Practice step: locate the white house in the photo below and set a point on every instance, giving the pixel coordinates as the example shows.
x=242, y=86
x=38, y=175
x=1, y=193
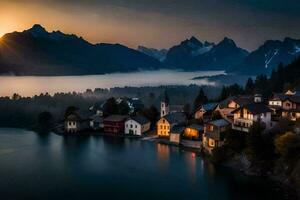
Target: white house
x=245, y=116
x=137, y=125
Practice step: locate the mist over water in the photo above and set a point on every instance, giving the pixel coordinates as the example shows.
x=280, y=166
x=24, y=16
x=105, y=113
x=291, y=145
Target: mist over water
x=34, y=85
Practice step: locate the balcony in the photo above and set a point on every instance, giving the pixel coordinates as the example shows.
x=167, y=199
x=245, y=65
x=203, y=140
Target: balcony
x=242, y=124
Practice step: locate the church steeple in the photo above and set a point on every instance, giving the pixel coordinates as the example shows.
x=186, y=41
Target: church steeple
x=164, y=105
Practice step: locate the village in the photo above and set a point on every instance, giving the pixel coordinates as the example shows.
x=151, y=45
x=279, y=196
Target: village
x=204, y=129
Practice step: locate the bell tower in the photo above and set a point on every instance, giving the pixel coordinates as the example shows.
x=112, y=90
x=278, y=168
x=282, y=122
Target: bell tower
x=164, y=105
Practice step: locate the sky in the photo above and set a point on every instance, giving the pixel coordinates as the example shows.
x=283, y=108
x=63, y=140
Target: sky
x=157, y=23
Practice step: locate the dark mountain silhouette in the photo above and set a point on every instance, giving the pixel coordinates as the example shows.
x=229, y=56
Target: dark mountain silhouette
x=159, y=54
x=268, y=56
x=182, y=55
x=38, y=52
x=192, y=54
x=221, y=57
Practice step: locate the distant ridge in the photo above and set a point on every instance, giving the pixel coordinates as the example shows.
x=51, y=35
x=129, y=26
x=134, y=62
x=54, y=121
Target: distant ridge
x=38, y=52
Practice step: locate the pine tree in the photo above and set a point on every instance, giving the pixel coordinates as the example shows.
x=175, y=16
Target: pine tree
x=249, y=88
x=200, y=99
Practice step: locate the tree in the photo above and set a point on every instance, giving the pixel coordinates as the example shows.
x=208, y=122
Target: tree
x=249, y=88
x=187, y=109
x=70, y=110
x=123, y=108
x=16, y=96
x=254, y=142
x=150, y=113
x=110, y=107
x=200, y=99
x=288, y=146
x=166, y=97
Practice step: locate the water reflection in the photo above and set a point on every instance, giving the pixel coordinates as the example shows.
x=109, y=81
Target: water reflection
x=93, y=167
x=163, y=152
x=191, y=162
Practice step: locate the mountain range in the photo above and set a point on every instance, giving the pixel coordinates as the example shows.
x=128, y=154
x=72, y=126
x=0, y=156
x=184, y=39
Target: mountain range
x=38, y=52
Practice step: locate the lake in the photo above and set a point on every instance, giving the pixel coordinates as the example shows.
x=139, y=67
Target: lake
x=33, y=166
x=35, y=85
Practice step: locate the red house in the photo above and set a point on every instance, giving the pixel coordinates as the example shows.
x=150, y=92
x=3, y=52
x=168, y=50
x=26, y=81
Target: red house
x=114, y=124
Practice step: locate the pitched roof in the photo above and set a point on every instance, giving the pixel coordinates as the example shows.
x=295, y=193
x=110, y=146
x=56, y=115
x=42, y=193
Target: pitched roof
x=295, y=98
x=256, y=108
x=243, y=100
x=73, y=117
x=196, y=127
x=140, y=119
x=177, y=117
x=219, y=122
x=116, y=118
x=208, y=106
x=224, y=103
x=177, y=129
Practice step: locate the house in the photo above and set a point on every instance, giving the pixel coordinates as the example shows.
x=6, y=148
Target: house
x=193, y=131
x=167, y=122
x=214, y=134
x=175, y=134
x=114, y=124
x=285, y=105
x=227, y=106
x=74, y=123
x=137, y=125
x=291, y=108
x=205, y=111
x=245, y=116
x=96, y=121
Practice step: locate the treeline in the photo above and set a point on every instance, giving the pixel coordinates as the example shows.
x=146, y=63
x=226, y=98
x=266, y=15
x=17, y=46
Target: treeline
x=282, y=78
x=23, y=112
x=28, y=112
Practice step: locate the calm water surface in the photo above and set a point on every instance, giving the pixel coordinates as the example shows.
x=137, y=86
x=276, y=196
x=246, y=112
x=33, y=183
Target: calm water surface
x=34, y=85
x=54, y=167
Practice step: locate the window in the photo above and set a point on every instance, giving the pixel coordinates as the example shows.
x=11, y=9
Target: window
x=135, y=126
x=210, y=127
x=161, y=127
x=211, y=142
x=163, y=121
x=130, y=125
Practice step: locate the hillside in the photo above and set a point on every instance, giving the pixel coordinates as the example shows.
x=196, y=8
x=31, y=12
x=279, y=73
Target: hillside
x=38, y=52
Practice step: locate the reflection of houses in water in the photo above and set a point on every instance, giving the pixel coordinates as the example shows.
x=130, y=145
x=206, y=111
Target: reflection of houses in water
x=163, y=153
x=191, y=160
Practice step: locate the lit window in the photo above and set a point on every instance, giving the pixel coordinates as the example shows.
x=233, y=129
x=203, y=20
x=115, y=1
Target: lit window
x=211, y=143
